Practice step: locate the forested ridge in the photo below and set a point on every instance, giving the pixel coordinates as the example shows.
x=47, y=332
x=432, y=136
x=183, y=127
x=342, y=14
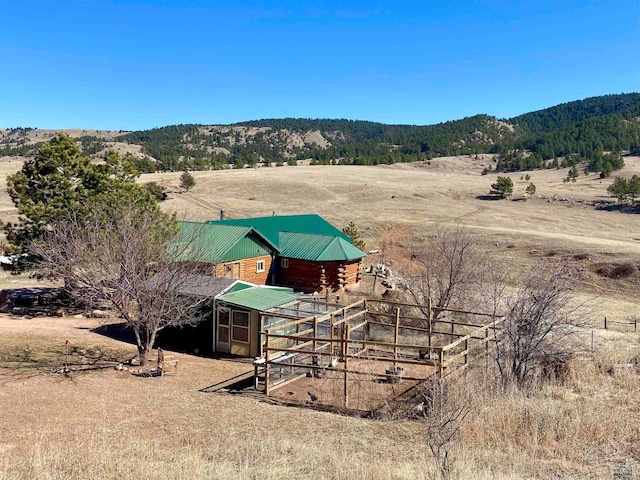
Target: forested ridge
x=593, y=132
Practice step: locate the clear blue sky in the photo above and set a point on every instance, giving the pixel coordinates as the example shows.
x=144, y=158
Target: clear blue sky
x=138, y=65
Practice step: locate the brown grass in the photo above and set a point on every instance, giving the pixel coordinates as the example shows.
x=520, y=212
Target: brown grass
x=102, y=423
x=109, y=424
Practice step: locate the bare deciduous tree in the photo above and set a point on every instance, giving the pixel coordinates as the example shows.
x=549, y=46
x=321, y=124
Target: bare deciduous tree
x=543, y=317
x=121, y=257
x=446, y=405
x=447, y=268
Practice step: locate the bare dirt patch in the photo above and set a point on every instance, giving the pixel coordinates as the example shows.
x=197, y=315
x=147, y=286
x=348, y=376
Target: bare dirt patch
x=368, y=391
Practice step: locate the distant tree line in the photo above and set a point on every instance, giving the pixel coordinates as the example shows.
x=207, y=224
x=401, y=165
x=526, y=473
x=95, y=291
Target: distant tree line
x=593, y=132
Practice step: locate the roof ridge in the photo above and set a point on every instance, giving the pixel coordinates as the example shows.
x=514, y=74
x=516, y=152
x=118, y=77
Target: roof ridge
x=314, y=234
x=329, y=244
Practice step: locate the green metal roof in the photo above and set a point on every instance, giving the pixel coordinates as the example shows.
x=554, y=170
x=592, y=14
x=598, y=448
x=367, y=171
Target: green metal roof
x=205, y=242
x=305, y=237
x=270, y=227
x=241, y=285
x=259, y=298
x=319, y=248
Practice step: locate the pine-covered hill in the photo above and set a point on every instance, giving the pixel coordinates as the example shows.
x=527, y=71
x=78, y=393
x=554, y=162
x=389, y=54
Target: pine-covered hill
x=594, y=132
x=565, y=114
x=580, y=132
x=323, y=141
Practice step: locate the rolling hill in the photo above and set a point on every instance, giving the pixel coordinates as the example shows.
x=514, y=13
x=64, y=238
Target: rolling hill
x=593, y=132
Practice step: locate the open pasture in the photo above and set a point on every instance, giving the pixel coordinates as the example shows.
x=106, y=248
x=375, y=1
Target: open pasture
x=103, y=423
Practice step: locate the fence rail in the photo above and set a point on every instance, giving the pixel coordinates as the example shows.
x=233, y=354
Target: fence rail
x=344, y=336
x=634, y=322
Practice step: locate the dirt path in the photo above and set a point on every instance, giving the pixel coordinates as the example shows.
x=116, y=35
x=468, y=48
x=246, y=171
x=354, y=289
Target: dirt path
x=630, y=246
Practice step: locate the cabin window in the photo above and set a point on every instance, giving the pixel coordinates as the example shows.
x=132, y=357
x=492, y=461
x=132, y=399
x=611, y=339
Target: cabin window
x=284, y=263
x=240, y=328
x=260, y=266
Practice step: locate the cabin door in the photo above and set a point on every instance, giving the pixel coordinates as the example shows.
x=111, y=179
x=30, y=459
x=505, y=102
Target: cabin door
x=223, y=337
x=232, y=270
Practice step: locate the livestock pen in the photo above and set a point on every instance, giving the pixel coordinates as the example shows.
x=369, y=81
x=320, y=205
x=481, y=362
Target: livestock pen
x=366, y=354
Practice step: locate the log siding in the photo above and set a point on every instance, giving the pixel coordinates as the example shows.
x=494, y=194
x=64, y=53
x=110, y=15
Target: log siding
x=310, y=276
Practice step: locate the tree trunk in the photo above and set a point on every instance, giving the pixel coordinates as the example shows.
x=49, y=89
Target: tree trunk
x=143, y=354
x=145, y=338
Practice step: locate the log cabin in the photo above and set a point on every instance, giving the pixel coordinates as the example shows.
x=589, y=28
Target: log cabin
x=311, y=255
x=229, y=251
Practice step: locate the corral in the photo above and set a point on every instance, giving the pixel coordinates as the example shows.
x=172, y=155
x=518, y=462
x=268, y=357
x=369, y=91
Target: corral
x=366, y=355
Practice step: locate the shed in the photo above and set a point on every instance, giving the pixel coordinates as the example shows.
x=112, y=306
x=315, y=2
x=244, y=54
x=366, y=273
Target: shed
x=238, y=317
x=198, y=338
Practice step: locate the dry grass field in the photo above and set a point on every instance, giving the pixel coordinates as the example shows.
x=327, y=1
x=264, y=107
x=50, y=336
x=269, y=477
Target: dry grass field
x=106, y=424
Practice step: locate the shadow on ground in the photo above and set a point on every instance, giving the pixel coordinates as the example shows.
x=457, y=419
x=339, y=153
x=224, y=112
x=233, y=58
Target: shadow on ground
x=489, y=197
x=37, y=301
x=618, y=207
x=192, y=340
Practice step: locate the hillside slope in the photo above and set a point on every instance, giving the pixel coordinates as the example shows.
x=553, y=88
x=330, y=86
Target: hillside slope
x=583, y=131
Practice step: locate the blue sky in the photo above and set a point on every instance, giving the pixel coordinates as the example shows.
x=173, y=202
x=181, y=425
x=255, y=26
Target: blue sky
x=138, y=65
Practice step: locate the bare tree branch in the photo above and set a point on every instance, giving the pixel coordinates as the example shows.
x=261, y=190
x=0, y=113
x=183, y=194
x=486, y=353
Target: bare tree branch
x=543, y=317
x=448, y=269
x=123, y=258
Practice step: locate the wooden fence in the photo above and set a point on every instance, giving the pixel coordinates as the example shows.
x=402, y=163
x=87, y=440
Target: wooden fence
x=634, y=323
x=334, y=341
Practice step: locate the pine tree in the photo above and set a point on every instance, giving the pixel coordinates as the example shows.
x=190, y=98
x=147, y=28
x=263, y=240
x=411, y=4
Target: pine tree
x=619, y=189
x=634, y=188
x=187, y=182
x=353, y=233
x=502, y=187
x=59, y=182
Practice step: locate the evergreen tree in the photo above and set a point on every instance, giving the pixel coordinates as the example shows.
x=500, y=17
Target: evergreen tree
x=60, y=182
x=502, y=187
x=353, y=233
x=619, y=189
x=156, y=190
x=187, y=182
x=634, y=188
x=531, y=189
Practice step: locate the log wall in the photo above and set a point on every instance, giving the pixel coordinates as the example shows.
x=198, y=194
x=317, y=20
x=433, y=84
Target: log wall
x=309, y=276
x=245, y=269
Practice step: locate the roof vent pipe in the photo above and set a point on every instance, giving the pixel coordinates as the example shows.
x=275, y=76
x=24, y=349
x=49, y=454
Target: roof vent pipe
x=221, y=214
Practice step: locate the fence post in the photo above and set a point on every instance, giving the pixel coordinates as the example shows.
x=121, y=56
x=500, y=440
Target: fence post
x=315, y=334
x=332, y=345
x=346, y=366
x=395, y=337
x=453, y=330
x=486, y=348
x=266, y=362
x=430, y=320
x=466, y=349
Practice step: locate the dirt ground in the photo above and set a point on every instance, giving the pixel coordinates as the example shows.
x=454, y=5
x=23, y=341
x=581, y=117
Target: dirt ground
x=367, y=391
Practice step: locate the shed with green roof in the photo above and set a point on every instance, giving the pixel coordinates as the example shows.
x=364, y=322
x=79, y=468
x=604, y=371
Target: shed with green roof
x=238, y=317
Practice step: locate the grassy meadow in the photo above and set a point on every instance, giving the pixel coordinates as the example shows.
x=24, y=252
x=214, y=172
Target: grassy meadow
x=100, y=423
